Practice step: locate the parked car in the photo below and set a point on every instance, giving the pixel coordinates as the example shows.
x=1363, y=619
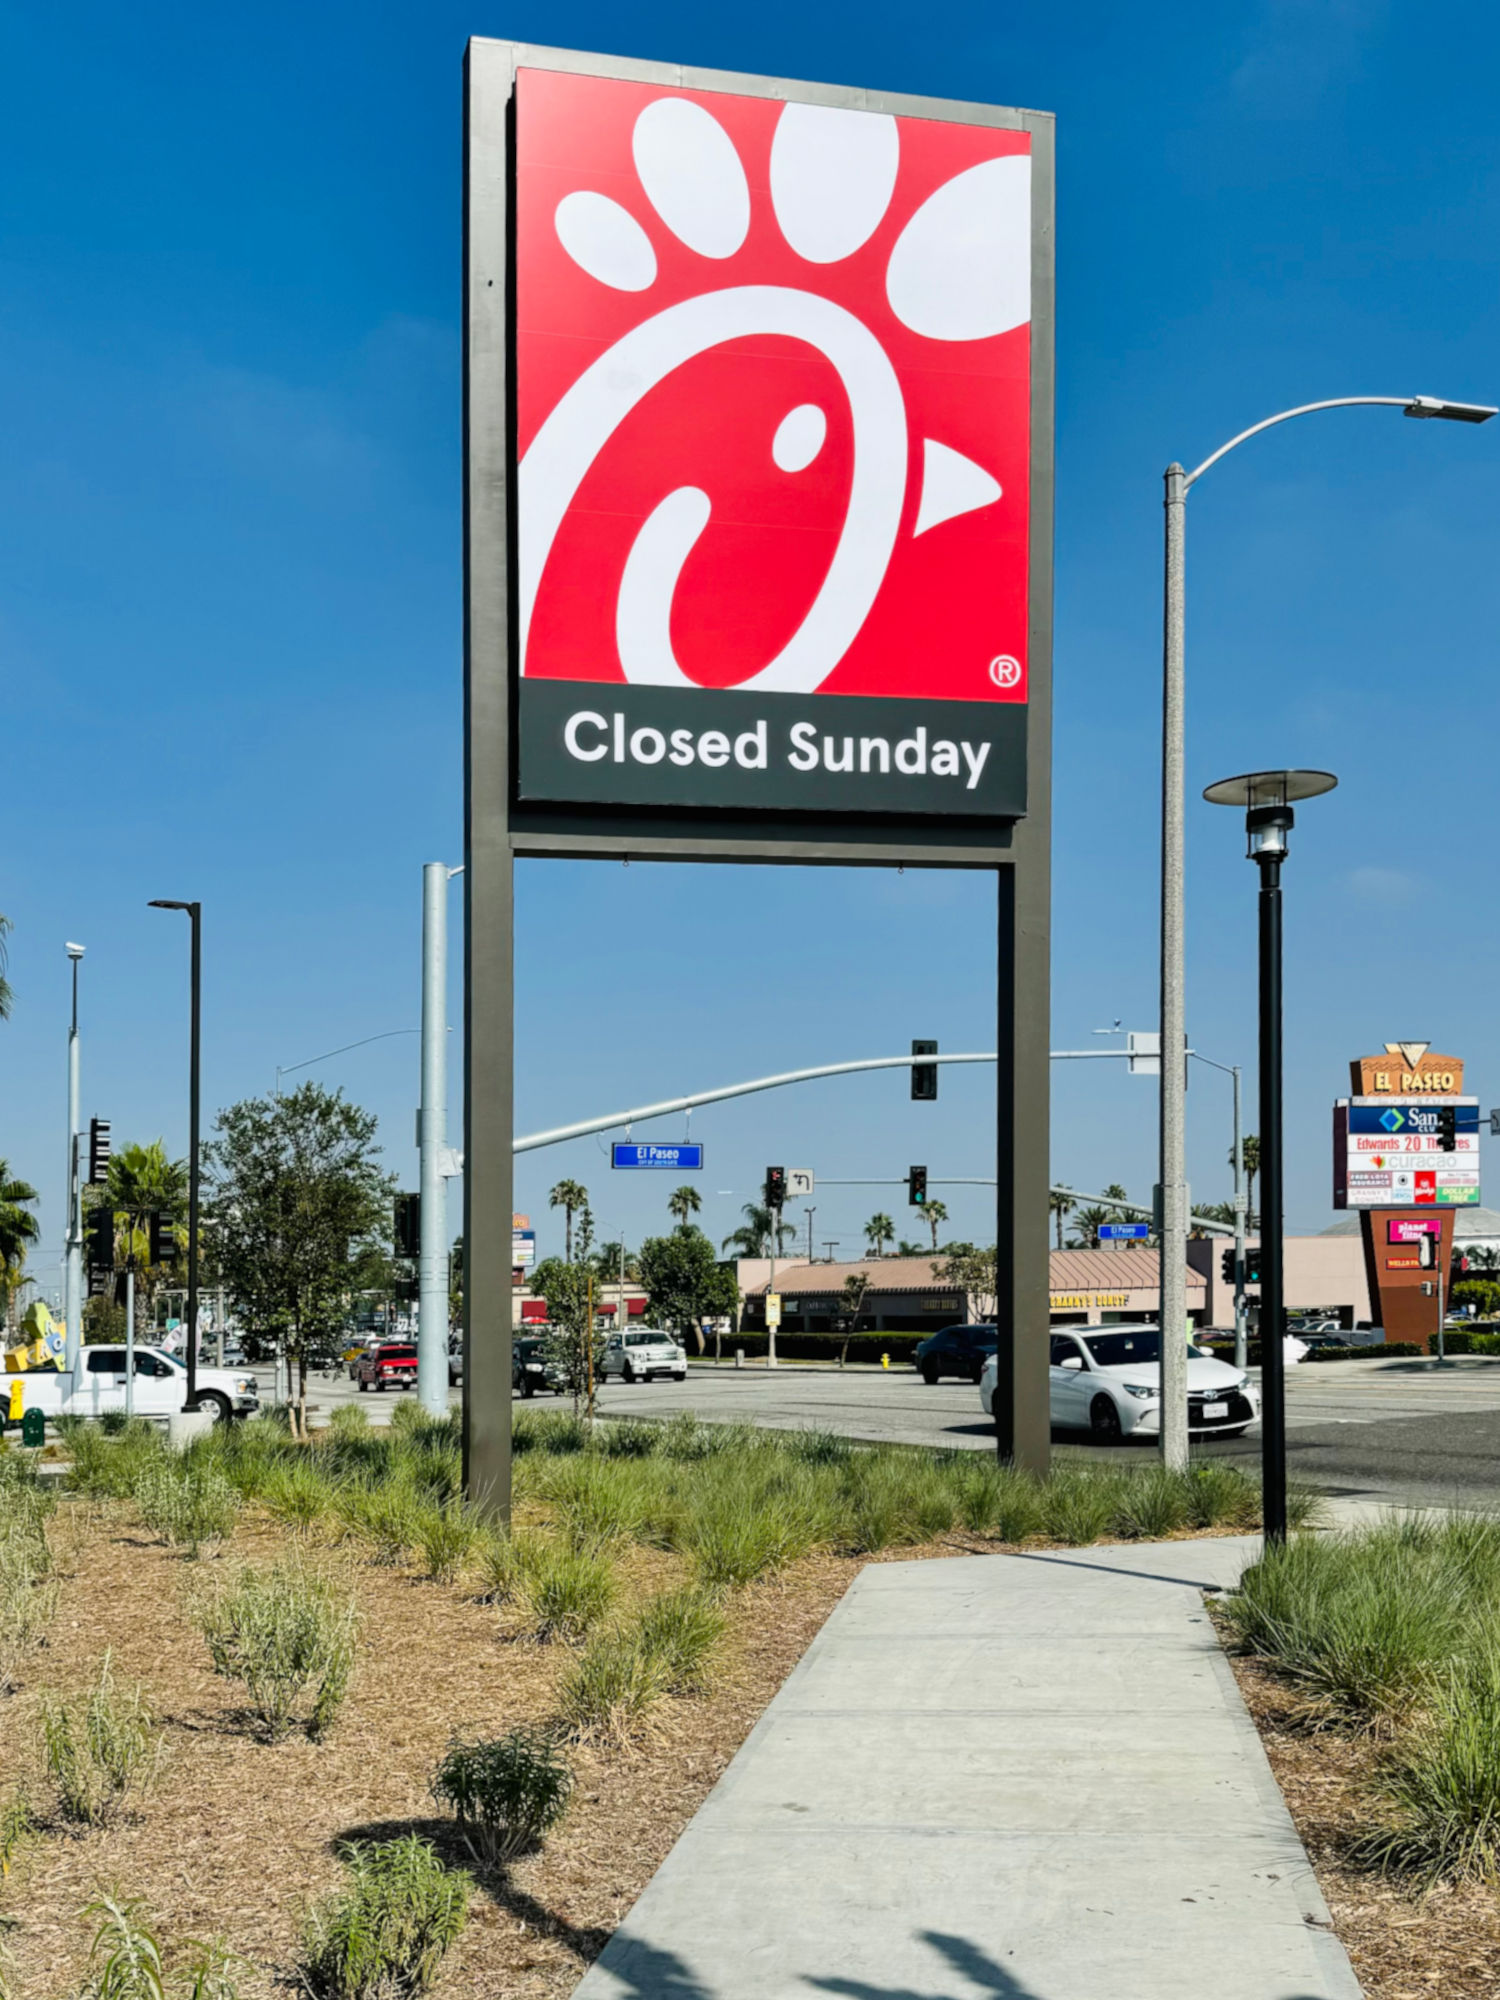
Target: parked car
x=531, y=1369
x=455, y=1360
x=97, y=1389
x=955, y=1350
x=643, y=1353
x=1107, y=1380
x=391, y=1365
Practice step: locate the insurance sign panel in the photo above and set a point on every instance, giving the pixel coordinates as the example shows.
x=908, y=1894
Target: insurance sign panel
x=773, y=426
x=1388, y=1152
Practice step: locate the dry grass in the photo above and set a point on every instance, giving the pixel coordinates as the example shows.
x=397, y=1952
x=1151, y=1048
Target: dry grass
x=1403, y=1947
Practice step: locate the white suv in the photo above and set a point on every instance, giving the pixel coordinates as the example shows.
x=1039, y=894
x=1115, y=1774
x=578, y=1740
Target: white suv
x=642, y=1352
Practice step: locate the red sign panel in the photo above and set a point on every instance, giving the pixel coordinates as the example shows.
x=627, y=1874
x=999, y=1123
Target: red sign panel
x=773, y=433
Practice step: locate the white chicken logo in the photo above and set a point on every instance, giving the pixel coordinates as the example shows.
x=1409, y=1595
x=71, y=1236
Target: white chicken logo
x=951, y=277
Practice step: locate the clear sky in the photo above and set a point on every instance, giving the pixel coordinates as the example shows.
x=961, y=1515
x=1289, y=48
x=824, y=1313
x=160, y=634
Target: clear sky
x=230, y=585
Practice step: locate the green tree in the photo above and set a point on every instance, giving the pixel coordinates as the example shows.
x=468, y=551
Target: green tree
x=1062, y=1202
x=299, y=1203
x=753, y=1237
x=608, y=1260
x=850, y=1304
x=1086, y=1227
x=584, y=1233
x=683, y=1202
x=572, y=1340
x=685, y=1283
x=976, y=1272
x=142, y=1181
x=569, y=1196
x=19, y=1229
x=5, y=992
x=879, y=1231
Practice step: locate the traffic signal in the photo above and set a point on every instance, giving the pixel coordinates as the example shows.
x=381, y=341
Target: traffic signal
x=916, y=1186
x=163, y=1234
x=924, y=1075
x=1447, y=1124
x=99, y=1239
x=98, y=1150
x=775, y=1187
x=408, y=1225
x=1226, y=1267
x=1252, y=1267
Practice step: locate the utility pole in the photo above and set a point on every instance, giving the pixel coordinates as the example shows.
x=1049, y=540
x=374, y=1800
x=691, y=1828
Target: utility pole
x=432, y=1138
x=1241, y=1344
x=73, y=1247
x=130, y=1326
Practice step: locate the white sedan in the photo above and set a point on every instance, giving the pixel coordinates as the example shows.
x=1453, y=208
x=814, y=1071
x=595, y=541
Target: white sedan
x=1107, y=1380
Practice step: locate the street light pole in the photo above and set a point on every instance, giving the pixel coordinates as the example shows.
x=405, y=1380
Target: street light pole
x=1267, y=797
x=73, y=1246
x=195, y=927
x=432, y=1138
x=1173, y=1167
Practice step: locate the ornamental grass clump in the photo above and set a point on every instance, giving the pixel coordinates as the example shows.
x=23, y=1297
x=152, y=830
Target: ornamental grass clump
x=384, y=1936
x=567, y=1591
x=1078, y=1507
x=185, y=1505
x=298, y=1492
x=447, y=1536
x=1150, y=1504
x=104, y=1467
x=1437, y=1789
x=506, y=1793
x=735, y=1531
x=287, y=1634
x=894, y=1499
x=1220, y=1496
x=101, y=1750
x=610, y=1688
x=682, y=1631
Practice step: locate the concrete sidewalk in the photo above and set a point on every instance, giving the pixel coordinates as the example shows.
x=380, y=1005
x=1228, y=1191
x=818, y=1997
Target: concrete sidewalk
x=1020, y=1777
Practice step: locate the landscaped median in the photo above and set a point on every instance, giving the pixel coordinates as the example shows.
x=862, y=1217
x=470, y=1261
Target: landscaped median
x=1371, y=1663
x=279, y=1713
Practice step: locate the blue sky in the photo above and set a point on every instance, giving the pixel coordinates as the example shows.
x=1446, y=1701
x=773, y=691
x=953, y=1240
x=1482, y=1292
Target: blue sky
x=230, y=585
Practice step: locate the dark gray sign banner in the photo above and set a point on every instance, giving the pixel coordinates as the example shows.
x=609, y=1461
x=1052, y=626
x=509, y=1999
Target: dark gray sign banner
x=608, y=742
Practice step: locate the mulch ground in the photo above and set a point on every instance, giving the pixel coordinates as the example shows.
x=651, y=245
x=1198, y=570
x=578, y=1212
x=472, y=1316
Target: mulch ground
x=1403, y=1946
x=238, y=1835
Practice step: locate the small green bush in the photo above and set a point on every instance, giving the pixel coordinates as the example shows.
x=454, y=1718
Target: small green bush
x=630, y=1439
x=447, y=1536
x=735, y=1532
x=567, y=1591
x=506, y=1794
x=388, y=1516
x=385, y=1935
x=185, y=1505
x=1440, y=1783
x=894, y=1499
x=104, y=1467
x=100, y=1750
x=287, y=1634
x=681, y=1630
x=349, y=1420
x=297, y=1491
x=17, y=1825
x=1151, y=1504
x=600, y=1503
x=501, y=1562
x=125, y=1961
x=28, y=1591
x=1078, y=1507
x=1220, y=1496
x=610, y=1688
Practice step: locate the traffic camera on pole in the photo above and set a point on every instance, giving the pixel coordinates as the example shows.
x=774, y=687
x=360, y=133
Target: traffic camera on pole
x=916, y=1186
x=98, y=1151
x=924, y=1076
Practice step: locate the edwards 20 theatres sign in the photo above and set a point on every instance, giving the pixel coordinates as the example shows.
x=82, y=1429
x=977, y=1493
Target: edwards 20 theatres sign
x=773, y=395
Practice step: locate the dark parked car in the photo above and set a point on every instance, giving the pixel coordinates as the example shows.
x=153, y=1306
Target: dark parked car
x=955, y=1350
x=531, y=1370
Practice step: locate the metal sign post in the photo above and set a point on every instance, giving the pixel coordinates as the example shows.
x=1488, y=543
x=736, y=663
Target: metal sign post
x=832, y=720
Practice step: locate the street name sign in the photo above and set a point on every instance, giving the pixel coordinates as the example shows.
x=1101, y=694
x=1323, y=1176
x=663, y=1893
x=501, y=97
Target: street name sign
x=1124, y=1232
x=684, y=1158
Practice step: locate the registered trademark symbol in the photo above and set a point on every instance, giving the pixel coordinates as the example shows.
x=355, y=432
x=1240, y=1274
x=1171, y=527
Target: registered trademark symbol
x=1005, y=671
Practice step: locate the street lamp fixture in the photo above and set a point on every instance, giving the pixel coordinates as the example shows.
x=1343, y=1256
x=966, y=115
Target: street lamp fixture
x=1267, y=798
x=1457, y=413
x=195, y=919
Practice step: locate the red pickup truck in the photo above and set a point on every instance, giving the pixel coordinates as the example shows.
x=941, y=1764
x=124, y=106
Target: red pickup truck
x=387, y=1367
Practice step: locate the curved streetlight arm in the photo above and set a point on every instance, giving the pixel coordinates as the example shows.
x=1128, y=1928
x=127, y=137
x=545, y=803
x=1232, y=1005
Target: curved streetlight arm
x=1414, y=406
x=286, y=1069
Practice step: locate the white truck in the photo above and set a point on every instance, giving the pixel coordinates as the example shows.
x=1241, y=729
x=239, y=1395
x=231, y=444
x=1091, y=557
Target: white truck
x=98, y=1388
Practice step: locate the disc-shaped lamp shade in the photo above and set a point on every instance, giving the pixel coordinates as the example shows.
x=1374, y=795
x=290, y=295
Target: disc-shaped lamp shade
x=1269, y=788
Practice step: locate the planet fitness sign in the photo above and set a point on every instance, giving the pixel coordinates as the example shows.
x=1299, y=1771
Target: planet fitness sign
x=773, y=380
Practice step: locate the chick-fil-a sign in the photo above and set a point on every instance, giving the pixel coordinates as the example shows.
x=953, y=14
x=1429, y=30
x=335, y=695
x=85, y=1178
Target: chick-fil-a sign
x=773, y=381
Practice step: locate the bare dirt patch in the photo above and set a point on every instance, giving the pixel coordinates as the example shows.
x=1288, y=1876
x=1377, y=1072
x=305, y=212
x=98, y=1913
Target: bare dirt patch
x=1403, y=1947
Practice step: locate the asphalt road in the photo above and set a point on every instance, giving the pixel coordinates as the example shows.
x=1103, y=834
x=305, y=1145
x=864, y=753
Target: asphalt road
x=1397, y=1431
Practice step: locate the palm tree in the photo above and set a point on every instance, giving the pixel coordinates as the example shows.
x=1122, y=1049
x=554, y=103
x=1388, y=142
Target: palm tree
x=753, y=1237
x=1250, y=1147
x=568, y=1196
x=143, y=1182
x=1086, y=1228
x=937, y=1213
x=19, y=1229
x=879, y=1231
x=5, y=995
x=1062, y=1203
x=683, y=1202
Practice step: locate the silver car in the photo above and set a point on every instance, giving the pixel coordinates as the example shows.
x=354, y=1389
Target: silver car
x=642, y=1353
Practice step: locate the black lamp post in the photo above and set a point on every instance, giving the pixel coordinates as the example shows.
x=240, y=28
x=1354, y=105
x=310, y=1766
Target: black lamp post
x=195, y=919
x=1267, y=798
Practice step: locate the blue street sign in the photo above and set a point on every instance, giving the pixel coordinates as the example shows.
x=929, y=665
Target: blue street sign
x=1124, y=1232
x=685, y=1157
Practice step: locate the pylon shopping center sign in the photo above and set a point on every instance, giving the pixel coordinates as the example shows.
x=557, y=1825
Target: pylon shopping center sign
x=773, y=441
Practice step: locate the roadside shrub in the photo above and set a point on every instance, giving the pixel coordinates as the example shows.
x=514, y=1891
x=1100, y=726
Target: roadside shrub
x=628, y=1439
x=567, y=1591
x=681, y=1631
x=817, y=1447
x=349, y=1420
x=506, y=1794
x=1077, y=1507
x=1151, y=1504
x=287, y=1634
x=735, y=1532
x=599, y=1502
x=107, y=1468
x=17, y=1825
x=388, y=1516
x=609, y=1689
x=1440, y=1783
x=408, y=1417
x=501, y=1561
x=185, y=1505
x=556, y=1432
x=125, y=1960
x=385, y=1935
x=447, y=1536
x=100, y=1750
x=996, y=1501
x=1217, y=1495
x=28, y=1592
x=297, y=1491
x=893, y=1499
